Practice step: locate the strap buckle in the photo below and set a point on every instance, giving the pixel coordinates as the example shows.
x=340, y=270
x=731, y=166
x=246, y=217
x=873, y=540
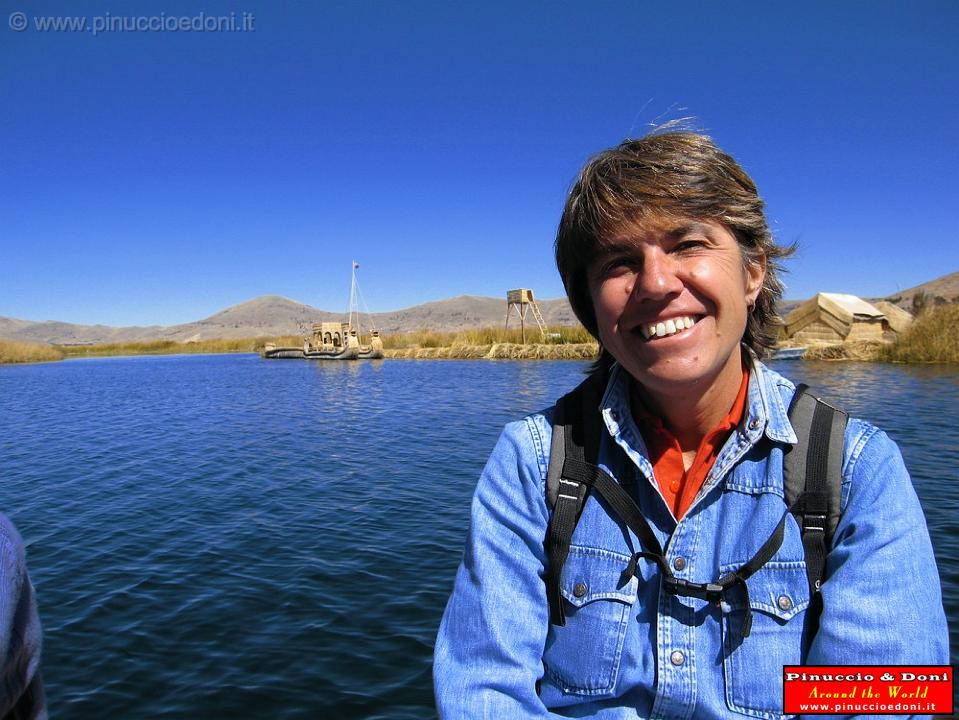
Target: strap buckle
x=814, y=521
x=704, y=591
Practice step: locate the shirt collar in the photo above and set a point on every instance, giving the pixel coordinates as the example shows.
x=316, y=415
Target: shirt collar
x=766, y=412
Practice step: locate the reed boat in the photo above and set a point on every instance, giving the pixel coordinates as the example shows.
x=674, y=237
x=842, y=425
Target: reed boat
x=333, y=340
x=789, y=353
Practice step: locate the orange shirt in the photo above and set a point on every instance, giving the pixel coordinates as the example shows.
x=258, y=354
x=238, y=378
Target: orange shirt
x=678, y=485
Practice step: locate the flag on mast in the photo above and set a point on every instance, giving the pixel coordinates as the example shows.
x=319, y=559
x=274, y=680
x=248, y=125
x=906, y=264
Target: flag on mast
x=355, y=264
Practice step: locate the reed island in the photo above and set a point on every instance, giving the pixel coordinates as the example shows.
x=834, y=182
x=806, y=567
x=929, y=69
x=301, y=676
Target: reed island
x=933, y=337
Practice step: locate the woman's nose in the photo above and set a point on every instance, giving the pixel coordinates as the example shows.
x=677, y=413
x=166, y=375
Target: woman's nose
x=656, y=278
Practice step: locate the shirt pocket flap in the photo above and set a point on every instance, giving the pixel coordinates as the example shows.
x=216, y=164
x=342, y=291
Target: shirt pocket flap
x=591, y=574
x=779, y=589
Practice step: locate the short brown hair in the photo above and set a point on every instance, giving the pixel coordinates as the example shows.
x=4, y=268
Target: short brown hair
x=667, y=174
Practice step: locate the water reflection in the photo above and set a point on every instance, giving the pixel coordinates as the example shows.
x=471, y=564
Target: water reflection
x=224, y=536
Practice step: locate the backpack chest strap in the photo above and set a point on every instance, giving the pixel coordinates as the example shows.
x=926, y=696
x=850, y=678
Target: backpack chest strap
x=812, y=477
x=625, y=508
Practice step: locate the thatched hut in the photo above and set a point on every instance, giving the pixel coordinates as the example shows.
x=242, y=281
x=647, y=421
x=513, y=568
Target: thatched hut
x=899, y=319
x=836, y=318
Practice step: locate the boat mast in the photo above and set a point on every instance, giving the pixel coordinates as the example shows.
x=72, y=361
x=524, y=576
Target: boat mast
x=353, y=306
x=356, y=296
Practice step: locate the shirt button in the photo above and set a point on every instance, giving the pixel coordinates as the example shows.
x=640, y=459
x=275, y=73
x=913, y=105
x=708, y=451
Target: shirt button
x=615, y=415
x=754, y=423
x=579, y=589
x=784, y=602
x=677, y=658
x=679, y=563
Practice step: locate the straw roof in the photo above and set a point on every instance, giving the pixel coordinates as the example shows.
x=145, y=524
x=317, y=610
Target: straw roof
x=898, y=318
x=838, y=311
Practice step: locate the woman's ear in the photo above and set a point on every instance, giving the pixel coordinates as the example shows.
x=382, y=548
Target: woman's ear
x=755, y=276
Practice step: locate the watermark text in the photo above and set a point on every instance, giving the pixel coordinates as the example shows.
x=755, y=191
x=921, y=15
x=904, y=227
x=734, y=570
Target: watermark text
x=872, y=689
x=109, y=23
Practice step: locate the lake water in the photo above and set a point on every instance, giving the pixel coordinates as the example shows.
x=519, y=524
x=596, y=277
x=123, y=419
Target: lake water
x=224, y=537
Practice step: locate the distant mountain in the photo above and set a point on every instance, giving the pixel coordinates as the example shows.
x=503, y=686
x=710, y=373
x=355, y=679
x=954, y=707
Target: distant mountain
x=942, y=290
x=10, y=326
x=51, y=331
x=272, y=315
x=468, y=311
x=268, y=315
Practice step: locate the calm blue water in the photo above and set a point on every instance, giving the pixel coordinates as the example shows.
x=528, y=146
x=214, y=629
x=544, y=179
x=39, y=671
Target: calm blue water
x=221, y=536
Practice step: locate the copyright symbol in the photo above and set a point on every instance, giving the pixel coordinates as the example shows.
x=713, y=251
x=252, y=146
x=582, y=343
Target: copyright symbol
x=18, y=21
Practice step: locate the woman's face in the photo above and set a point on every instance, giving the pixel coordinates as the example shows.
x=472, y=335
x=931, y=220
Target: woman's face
x=671, y=300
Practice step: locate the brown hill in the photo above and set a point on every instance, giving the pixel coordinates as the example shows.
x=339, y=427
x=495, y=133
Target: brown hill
x=266, y=316
x=940, y=291
x=52, y=331
x=272, y=315
x=467, y=311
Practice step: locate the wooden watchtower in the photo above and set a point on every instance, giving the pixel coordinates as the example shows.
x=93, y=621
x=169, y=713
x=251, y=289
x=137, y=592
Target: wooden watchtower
x=522, y=300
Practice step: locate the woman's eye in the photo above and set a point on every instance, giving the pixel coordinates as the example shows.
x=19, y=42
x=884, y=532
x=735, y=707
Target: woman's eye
x=688, y=244
x=616, y=265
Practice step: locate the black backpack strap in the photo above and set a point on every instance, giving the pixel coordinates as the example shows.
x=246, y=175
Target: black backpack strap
x=812, y=477
x=583, y=476
x=740, y=576
x=577, y=425
x=573, y=474
x=565, y=494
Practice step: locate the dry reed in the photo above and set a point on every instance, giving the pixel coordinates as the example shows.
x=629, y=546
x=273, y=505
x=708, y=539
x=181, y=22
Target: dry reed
x=498, y=351
x=861, y=350
x=556, y=335
x=172, y=347
x=16, y=351
x=932, y=338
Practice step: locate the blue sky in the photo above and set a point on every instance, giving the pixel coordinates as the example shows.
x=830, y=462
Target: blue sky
x=158, y=177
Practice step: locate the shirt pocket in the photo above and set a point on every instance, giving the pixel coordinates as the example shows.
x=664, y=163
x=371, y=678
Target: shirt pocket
x=582, y=657
x=753, y=666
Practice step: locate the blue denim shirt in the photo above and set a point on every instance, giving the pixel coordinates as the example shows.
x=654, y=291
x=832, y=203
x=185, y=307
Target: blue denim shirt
x=632, y=651
x=21, y=688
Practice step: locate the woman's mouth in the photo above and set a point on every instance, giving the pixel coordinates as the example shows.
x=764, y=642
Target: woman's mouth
x=666, y=328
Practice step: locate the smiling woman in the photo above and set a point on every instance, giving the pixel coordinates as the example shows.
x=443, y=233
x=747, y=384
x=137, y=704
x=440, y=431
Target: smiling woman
x=690, y=274
x=679, y=181
x=566, y=603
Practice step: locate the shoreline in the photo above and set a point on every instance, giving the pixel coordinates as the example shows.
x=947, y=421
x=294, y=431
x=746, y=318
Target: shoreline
x=932, y=339
x=498, y=351
x=494, y=351
x=850, y=352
